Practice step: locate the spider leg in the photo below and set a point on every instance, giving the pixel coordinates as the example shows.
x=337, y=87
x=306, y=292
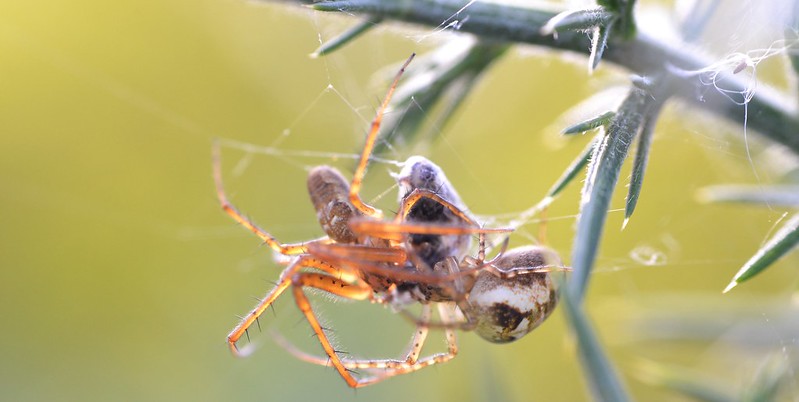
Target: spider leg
x=371, y=138
x=419, y=336
x=459, y=296
x=411, y=356
x=419, y=193
x=340, y=258
x=359, y=252
x=512, y=272
x=386, y=368
x=445, y=311
x=398, y=230
x=330, y=284
x=230, y=209
x=283, y=282
x=525, y=260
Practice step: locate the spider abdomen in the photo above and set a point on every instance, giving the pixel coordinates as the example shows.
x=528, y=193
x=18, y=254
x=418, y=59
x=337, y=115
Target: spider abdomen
x=329, y=193
x=507, y=306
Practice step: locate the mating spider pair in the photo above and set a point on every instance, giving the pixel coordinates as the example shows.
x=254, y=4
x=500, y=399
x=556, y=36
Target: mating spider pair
x=419, y=256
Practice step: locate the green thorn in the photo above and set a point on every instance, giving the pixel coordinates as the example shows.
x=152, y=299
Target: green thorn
x=590, y=124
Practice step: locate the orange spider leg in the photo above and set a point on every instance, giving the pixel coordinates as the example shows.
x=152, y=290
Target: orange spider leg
x=283, y=282
x=342, y=259
x=418, y=193
x=398, y=230
x=330, y=284
x=390, y=367
x=411, y=356
x=445, y=311
x=419, y=336
x=358, y=252
x=230, y=209
x=371, y=138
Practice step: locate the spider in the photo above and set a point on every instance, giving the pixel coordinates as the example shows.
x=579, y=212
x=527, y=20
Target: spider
x=418, y=257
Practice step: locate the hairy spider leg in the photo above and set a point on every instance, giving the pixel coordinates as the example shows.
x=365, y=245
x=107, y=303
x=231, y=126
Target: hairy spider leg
x=371, y=138
x=343, y=277
x=411, y=356
x=397, y=231
x=354, y=291
x=359, y=253
x=230, y=209
x=388, y=368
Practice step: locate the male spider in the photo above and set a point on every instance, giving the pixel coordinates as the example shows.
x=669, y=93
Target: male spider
x=420, y=256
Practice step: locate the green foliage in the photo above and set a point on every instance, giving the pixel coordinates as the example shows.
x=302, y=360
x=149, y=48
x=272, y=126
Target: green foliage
x=604, y=383
x=765, y=385
x=577, y=20
x=600, y=121
x=640, y=161
x=575, y=168
x=603, y=173
x=780, y=244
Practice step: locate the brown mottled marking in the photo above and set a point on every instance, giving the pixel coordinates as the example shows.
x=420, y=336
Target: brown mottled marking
x=509, y=304
x=329, y=193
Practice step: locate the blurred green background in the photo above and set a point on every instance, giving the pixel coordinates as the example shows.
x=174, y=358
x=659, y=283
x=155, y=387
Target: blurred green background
x=121, y=276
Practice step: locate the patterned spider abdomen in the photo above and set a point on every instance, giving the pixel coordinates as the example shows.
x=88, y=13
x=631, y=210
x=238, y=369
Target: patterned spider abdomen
x=329, y=193
x=507, y=307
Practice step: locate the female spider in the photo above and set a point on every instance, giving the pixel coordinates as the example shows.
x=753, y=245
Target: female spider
x=419, y=256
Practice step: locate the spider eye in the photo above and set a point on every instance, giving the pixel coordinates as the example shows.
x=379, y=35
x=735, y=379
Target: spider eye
x=505, y=308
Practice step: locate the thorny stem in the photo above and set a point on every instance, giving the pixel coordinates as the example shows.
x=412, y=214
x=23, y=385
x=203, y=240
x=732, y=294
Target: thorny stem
x=768, y=113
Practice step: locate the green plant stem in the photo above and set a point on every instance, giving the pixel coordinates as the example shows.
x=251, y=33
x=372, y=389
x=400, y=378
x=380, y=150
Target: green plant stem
x=769, y=113
x=600, y=182
x=603, y=380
